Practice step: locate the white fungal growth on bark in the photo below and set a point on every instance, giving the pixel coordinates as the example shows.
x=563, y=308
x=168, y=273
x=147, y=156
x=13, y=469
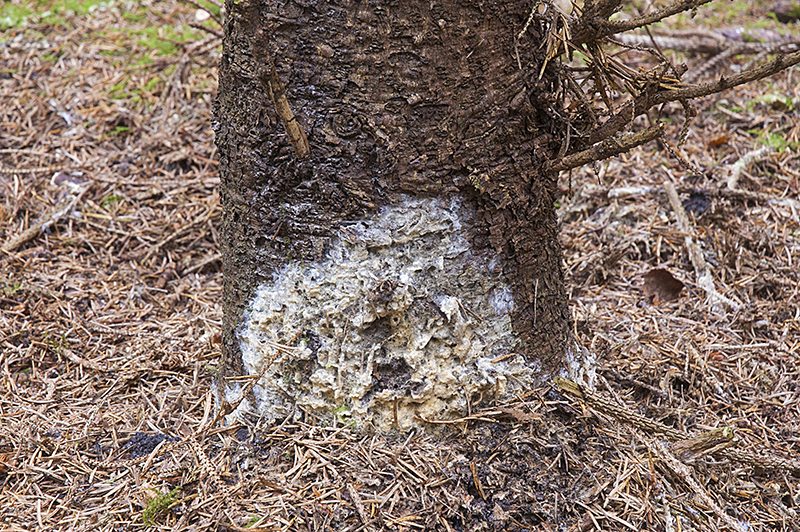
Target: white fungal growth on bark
x=400, y=321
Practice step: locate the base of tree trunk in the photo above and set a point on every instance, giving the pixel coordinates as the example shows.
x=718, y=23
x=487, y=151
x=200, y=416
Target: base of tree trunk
x=400, y=322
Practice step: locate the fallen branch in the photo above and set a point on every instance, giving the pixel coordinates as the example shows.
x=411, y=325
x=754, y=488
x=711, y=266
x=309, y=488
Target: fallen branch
x=702, y=272
x=738, y=167
x=62, y=208
x=685, y=473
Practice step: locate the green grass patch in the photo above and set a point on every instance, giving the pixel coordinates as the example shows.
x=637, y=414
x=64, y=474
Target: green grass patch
x=20, y=13
x=718, y=14
x=252, y=521
x=211, y=8
x=12, y=288
x=78, y=7
x=165, y=39
x=119, y=130
x=777, y=141
x=152, y=84
x=778, y=102
x=159, y=503
x=119, y=90
x=725, y=13
x=136, y=17
x=113, y=199
x=51, y=56
x=142, y=60
x=13, y=16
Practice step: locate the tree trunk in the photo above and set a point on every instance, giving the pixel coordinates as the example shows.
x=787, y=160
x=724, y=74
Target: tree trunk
x=389, y=235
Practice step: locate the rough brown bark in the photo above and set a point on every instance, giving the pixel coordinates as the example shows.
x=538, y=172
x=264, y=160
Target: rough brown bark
x=395, y=98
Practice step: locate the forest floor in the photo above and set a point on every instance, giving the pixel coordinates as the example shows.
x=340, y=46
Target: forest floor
x=110, y=312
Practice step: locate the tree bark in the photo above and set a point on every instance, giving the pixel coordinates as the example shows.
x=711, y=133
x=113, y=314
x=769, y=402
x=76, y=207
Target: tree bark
x=336, y=119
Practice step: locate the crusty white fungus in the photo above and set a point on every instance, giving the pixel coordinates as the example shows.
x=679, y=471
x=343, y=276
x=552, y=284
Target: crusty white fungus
x=400, y=321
